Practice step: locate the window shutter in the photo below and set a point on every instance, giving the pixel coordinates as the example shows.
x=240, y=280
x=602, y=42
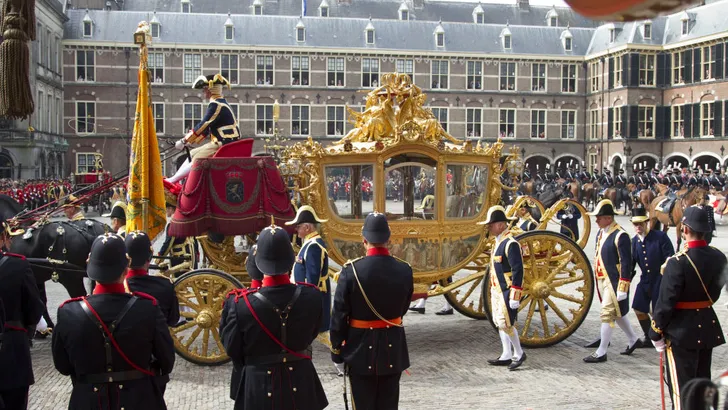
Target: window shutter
x=725, y=124
x=661, y=125
x=687, y=57
x=611, y=72
x=633, y=113
x=625, y=121
x=696, y=120
x=696, y=66
x=610, y=124
x=718, y=119
x=688, y=120
x=634, y=70
x=719, y=61
x=661, y=69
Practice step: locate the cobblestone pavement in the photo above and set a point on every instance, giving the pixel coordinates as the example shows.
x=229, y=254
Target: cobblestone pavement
x=449, y=369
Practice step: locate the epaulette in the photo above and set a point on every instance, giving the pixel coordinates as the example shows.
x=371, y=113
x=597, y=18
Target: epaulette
x=14, y=255
x=307, y=284
x=402, y=260
x=145, y=296
x=351, y=261
x=239, y=293
x=77, y=299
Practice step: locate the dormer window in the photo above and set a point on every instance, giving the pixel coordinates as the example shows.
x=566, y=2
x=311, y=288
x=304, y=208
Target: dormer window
x=324, y=9
x=567, y=40
x=506, y=38
x=229, y=29
x=87, y=26
x=647, y=30
x=186, y=6
x=439, y=36
x=684, y=27
x=685, y=20
x=568, y=44
x=478, y=15
x=258, y=8
x=553, y=21
x=552, y=18
x=612, y=35
x=404, y=12
x=155, y=26
x=300, y=32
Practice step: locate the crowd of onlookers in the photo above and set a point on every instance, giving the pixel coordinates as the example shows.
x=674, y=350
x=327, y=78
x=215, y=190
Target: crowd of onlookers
x=34, y=193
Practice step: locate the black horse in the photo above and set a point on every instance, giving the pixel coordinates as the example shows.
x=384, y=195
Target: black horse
x=54, y=242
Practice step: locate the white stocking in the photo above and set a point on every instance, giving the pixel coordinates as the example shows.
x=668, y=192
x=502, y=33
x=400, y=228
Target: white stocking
x=507, y=353
x=182, y=172
x=42, y=326
x=607, y=330
x=421, y=303
x=516, y=342
x=627, y=329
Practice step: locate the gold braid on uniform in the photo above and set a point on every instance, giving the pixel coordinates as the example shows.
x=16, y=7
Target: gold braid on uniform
x=655, y=328
x=623, y=285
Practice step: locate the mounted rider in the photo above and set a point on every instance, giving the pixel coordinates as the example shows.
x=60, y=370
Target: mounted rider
x=584, y=174
x=655, y=178
x=620, y=181
x=219, y=123
x=694, y=179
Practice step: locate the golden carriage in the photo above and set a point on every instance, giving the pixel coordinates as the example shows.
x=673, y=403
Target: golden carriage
x=434, y=188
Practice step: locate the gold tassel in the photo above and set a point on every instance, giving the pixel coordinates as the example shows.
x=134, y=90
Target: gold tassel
x=18, y=27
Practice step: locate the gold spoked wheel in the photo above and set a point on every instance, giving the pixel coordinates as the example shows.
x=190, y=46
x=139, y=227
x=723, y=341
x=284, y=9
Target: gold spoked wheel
x=466, y=297
x=558, y=288
x=200, y=294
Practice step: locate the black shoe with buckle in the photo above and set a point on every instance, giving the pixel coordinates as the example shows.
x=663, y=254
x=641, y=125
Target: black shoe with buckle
x=628, y=351
x=517, y=363
x=442, y=312
x=499, y=362
x=593, y=358
x=418, y=310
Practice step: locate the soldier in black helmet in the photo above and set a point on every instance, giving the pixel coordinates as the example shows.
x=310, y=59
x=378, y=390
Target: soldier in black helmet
x=267, y=332
x=20, y=309
x=372, y=295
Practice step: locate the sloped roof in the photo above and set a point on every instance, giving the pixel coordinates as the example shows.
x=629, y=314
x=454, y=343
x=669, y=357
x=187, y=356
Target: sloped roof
x=704, y=21
x=332, y=33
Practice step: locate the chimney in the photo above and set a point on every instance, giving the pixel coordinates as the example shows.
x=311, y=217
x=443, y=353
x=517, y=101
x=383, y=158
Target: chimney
x=523, y=4
x=108, y=5
x=418, y=4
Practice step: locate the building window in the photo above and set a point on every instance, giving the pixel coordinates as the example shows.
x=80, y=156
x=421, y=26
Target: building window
x=480, y=18
x=59, y=116
x=234, y=109
x=593, y=161
x=186, y=7
x=299, y=70
x=594, y=76
x=334, y=120
x=507, y=123
x=51, y=114
x=85, y=163
x=406, y=67
x=475, y=75
x=40, y=112
x=538, y=124
x=229, y=67
x=56, y=55
x=85, y=117
x=707, y=62
x=156, y=67
x=258, y=10
x=440, y=38
x=324, y=11
x=299, y=119
x=647, y=69
x=369, y=72
x=404, y=15
x=439, y=74
x=707, y=116
x=229, y=30
x=335, y=71
x=647, y=31
x=646, y=122
x=617, y=71
x=87, y=28
x=678, y=122
x=677, y=68
x=49, y=49
x=568, y=124
x=593, y=124
x=192, y=116
x=684, y=27
x=370, y=36
x=507, y=41
x=568, y=43
x=617, y=115
x=85, y=70
x=538, y=77
x=192, y=67
x=158, y=113
x=568, y=78
x=300, y=34
x=155, y=30
x=553, y=22
x=474, y=118
x=264, y=119
x=508, y=76
x=612, y=35
x=441, y=116
x=264, y=70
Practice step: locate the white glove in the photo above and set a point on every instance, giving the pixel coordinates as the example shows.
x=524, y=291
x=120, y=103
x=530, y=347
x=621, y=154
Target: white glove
x=180, y=144
x=339, y=368
x=622, y=296
x=659, y=345
x=514, y=304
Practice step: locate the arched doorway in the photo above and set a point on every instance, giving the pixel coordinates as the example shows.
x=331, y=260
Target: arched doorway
x=537, y=163
x=706, y=162
x=645, y=162
x=617, y=165
x=6, y=165
x=567, y=161
x=676, y=161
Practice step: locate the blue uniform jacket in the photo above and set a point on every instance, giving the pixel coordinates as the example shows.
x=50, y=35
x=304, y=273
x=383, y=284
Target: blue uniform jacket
x=312, y=266
x=219, y=123
x=649, y=255
x=508, y=267
x=614, y=259
x=570, y=226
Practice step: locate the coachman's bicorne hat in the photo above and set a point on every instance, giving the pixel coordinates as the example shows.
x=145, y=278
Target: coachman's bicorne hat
x=118, y=211
x=274, y=255
x=108, y=259
x=139, y=248
x=376, y=228
x=696, y=218
x=605, y=207
x=496, y=213
x=210, y=80
x=306, y=214
x=639, y=215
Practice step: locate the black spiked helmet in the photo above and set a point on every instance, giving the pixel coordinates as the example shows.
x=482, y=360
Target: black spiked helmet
x=139, y=248
x=274, y=255
x=108, y=259
x=376, y=228
x=696, y=218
